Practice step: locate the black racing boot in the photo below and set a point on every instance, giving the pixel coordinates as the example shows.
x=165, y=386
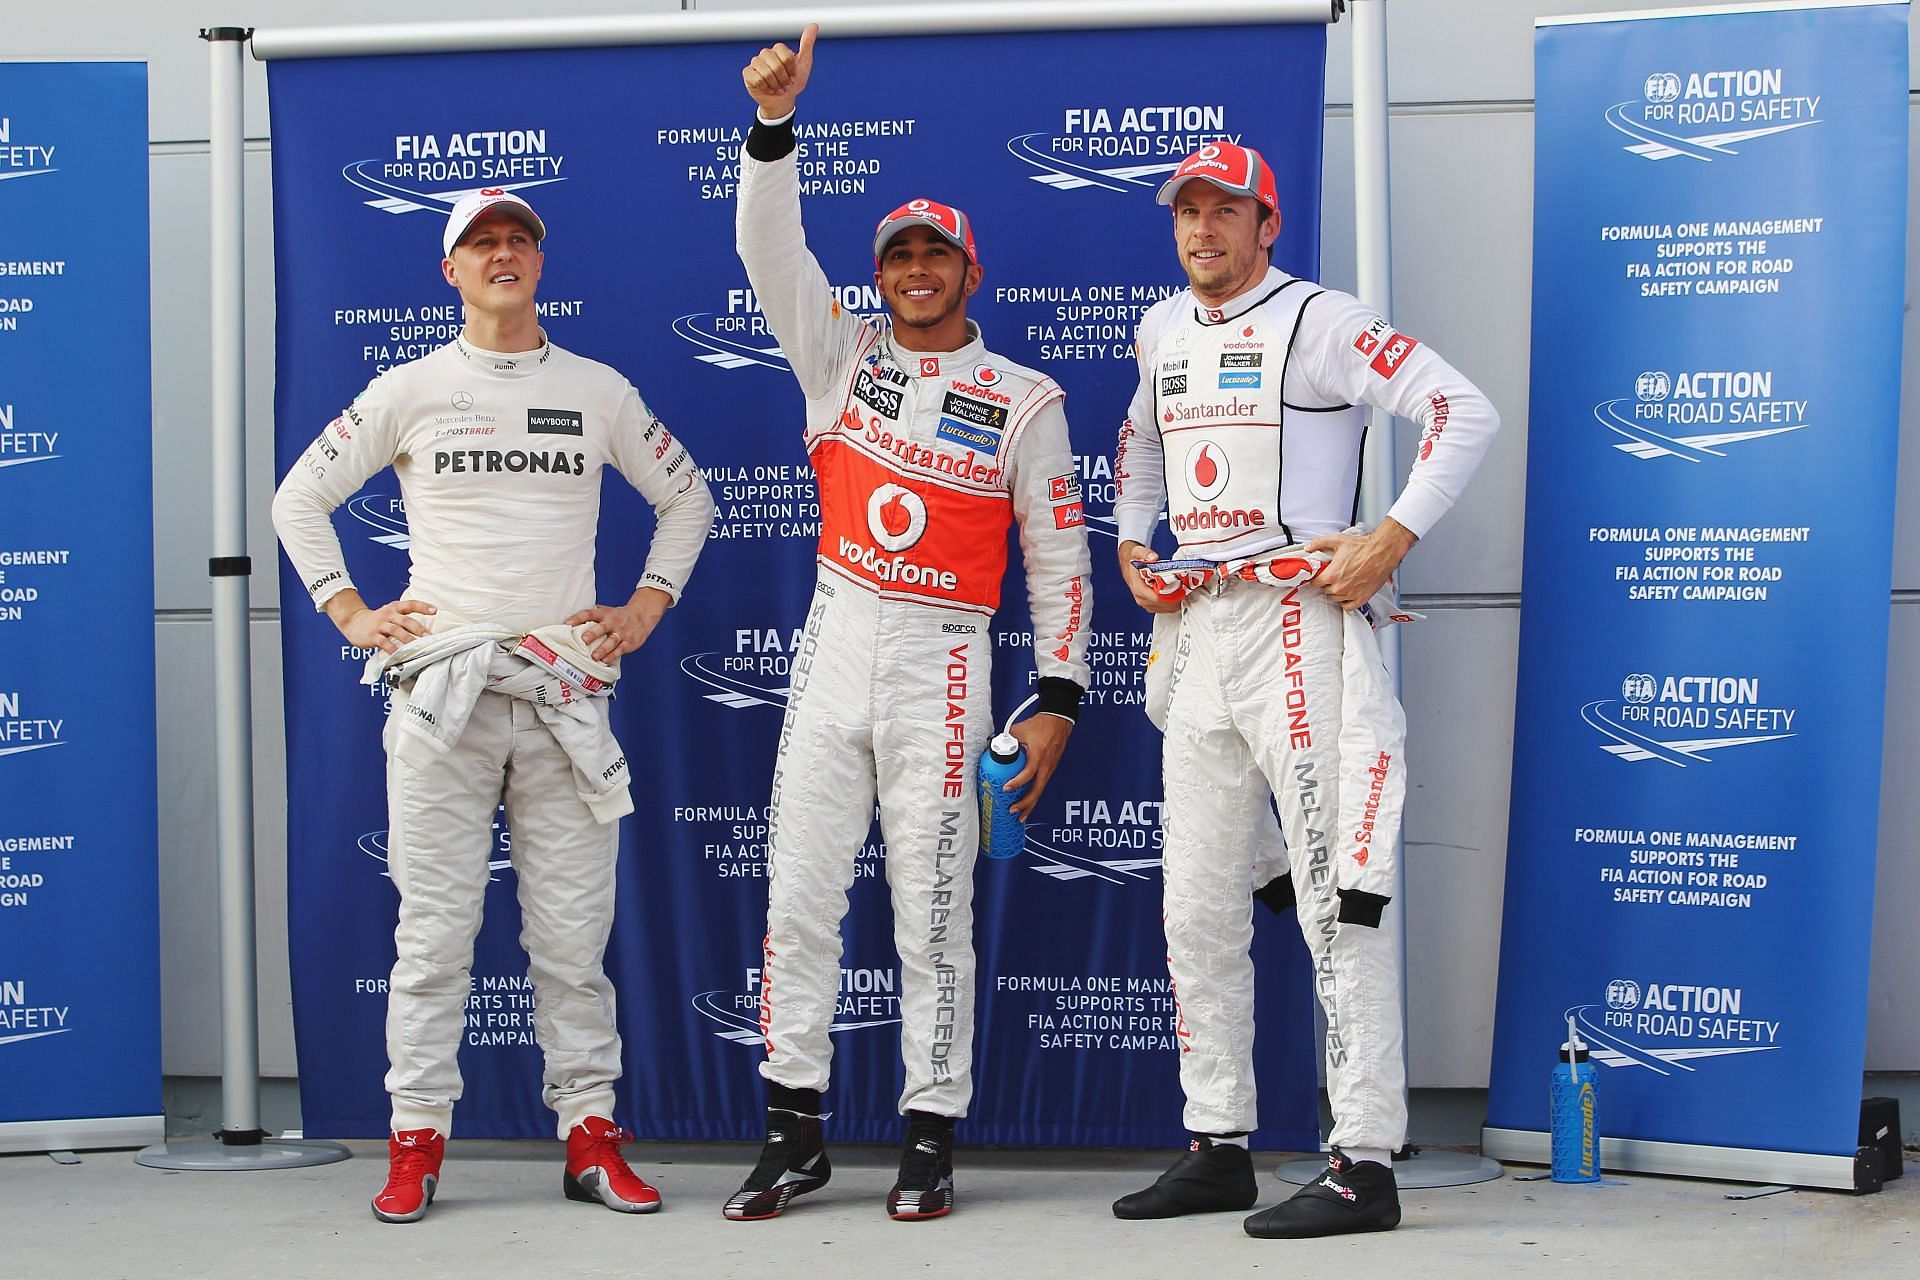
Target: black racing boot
x=924, y=1188
x=1212, y=1177
x=1347, y=1197
x=792, y=1163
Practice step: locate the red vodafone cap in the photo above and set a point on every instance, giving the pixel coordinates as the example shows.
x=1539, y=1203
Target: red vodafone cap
x=1234, y=169
x=952, y=225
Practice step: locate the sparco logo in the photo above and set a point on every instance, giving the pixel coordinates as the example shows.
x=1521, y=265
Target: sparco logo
x=1704, y=115
x=1694, y=414
x=1724, y=711
x=1147, y=141
x=1663, y=1026
x=432, y=172
x=896, y=517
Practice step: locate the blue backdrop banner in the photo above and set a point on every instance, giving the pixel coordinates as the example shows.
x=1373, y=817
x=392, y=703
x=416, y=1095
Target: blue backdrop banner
x=630, y=156
x=1719, y=239
x=79, y=878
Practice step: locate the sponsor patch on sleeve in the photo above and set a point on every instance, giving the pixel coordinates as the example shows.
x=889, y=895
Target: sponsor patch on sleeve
x=1063, y=488
x=1069, y=514
x=1392, y=354
x=1369, y=339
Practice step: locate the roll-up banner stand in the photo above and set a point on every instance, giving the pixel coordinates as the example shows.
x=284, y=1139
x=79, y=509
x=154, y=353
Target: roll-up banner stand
x=79, y=876
x=629, y=153
x=1719, y=239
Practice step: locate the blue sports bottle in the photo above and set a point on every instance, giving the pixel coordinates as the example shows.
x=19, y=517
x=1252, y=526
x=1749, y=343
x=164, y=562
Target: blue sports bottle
x=1001, y=834
x=1576, y=1126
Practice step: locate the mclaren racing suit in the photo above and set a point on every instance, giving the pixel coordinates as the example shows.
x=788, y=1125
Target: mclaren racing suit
x=499, y=459
x=1246, y=425
x=922, y=460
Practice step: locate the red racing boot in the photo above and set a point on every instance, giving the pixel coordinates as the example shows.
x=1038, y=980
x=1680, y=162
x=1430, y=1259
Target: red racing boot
x=413, y=1171
x=597, y=1174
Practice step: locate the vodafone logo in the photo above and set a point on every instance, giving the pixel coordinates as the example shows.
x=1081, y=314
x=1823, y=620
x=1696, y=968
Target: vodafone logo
x=493, y=191
x=929, y=366
x=1206, y=470
x=896, y=517
x=1210, y=152
x=985, y=374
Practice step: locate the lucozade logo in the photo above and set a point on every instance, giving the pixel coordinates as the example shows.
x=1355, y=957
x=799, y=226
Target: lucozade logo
x=431, y=172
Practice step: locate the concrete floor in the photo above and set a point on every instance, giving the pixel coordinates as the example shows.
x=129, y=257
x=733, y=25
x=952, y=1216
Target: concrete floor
x=1020, y=1214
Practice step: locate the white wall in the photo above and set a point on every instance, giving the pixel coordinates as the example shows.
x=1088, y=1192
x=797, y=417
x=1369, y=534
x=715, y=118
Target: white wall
x=1462, y=76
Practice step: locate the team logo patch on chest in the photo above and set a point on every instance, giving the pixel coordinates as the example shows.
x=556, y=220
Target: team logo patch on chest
x=896, y=517
x=555, y=422
x=869, y=392
x=1207, y=470
x=969, y=422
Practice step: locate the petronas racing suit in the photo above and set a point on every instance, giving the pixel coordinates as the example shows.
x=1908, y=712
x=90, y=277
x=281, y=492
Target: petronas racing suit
x=499, y=456
x=1246, y=426
x=922, y=460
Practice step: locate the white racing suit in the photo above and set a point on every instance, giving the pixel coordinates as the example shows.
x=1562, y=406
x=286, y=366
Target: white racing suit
x=922, y=461
x=499, y=458
x=1246, y=426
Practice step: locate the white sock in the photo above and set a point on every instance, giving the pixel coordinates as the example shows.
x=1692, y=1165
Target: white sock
x=1378, y=1155
x=1227, y=1139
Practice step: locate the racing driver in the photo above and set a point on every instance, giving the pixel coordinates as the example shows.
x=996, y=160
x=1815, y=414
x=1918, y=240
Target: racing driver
x=1246, y=425
x=925, y=445
x=498, y=660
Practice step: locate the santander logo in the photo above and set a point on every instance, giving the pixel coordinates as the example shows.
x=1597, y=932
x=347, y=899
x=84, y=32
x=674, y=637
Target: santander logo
x=896, y=517
x=1206, y=470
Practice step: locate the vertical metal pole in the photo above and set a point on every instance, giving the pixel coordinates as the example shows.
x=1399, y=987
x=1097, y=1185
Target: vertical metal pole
x=229, y=570
x=1373, y=235
x=1373, y=238
x=240, y=1143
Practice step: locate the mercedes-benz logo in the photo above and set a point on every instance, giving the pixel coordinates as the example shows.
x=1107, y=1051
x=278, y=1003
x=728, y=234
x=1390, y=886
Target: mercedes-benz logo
x=462, y=401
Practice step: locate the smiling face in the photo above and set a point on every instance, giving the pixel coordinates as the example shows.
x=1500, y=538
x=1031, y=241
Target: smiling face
x=925, y=280
x=1222, y=239
x=496, y=266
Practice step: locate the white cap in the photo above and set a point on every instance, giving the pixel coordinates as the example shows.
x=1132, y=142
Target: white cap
x=488, y=200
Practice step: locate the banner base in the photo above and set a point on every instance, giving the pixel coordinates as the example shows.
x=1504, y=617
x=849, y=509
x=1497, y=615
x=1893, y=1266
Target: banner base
x=95, y=1134
x=210, y=1155
x=1729, y=1164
